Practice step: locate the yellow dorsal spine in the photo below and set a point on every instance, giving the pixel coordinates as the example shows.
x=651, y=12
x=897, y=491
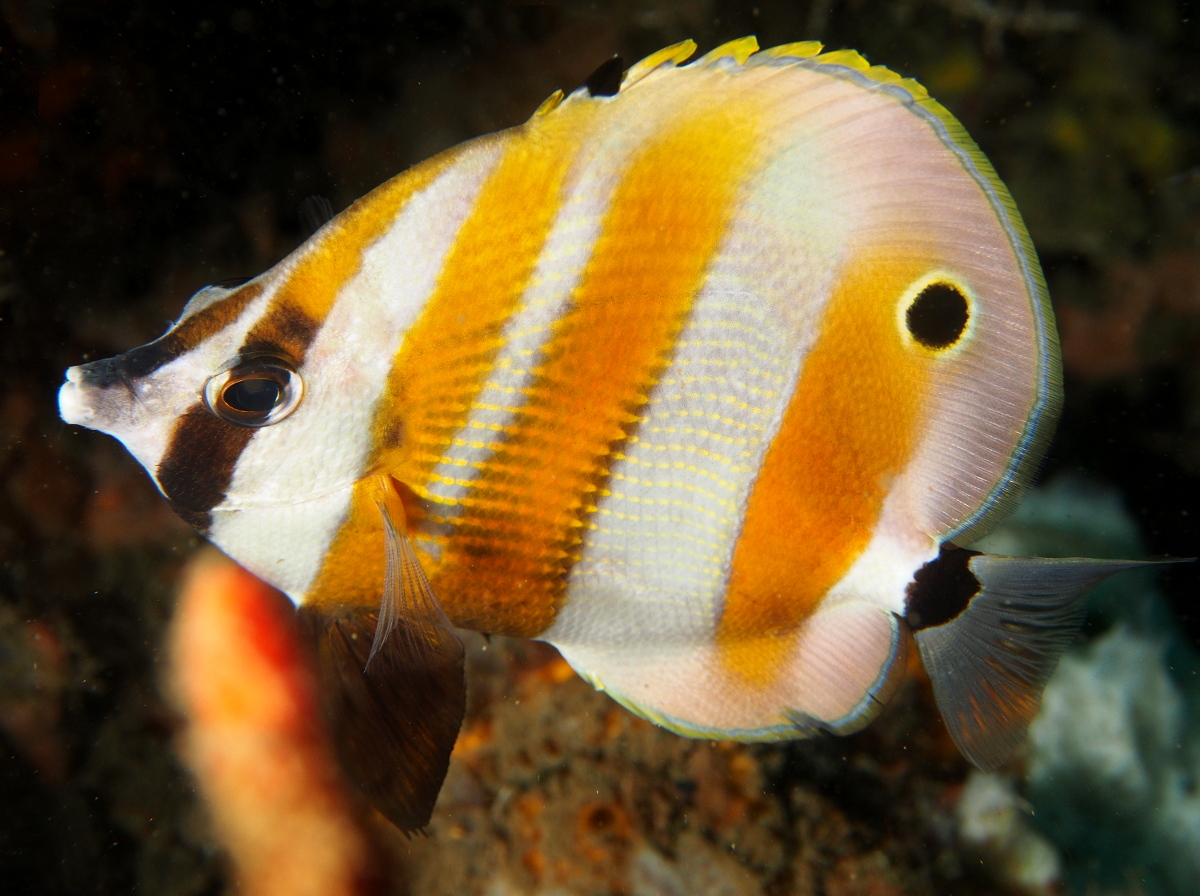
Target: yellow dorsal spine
x=549, y=104
x=800, y=50
x=672, y=55
x=848, y=58
x=739, y=50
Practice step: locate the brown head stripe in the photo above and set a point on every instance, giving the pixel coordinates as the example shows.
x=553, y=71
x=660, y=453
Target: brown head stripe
x=285, y=330
x=204, y=451
x=190, y=333
x=199, y=462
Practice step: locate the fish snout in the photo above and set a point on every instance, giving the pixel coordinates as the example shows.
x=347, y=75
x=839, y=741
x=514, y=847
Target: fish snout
x=95, y=394
x=98, y=374
x=73, y=406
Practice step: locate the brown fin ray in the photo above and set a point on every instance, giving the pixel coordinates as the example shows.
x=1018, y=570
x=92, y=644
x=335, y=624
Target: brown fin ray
x=393, y=682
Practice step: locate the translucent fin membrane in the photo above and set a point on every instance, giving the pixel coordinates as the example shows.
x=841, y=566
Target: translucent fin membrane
x=990, y=663
x=408, y=601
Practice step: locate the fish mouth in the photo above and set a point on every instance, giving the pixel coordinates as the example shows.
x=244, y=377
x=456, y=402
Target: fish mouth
x=73, y=405
x=87, y=397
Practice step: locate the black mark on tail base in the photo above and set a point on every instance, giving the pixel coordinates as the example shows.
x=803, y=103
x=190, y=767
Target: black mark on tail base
x=941, y=589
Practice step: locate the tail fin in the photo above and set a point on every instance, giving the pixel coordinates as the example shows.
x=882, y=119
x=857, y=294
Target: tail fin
x=991, y=661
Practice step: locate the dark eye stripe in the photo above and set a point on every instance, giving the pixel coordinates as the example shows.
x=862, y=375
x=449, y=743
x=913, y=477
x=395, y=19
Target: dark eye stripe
x=197, y=467
x=199, y=463
x=200, y=460
x=202, y=456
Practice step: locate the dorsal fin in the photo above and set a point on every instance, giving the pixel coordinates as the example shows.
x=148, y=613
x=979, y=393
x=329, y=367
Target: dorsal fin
x=315, y=213
x=804, y=49
x=674, y=55
x=608, y=80
x=549, y=104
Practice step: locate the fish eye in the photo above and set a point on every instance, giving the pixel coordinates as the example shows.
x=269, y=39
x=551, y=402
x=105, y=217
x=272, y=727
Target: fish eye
x=255, y=392
x=937, y=315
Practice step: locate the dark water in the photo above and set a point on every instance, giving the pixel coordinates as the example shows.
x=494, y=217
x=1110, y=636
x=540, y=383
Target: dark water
x=147, y=151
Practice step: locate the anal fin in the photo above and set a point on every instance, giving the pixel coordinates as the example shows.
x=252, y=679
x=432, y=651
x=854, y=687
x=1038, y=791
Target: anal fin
x=831, y=674
x=990, y=662
x=393, y=681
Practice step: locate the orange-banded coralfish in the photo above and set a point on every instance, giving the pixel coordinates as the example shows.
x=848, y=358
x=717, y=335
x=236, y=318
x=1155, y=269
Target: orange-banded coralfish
x=703, y=374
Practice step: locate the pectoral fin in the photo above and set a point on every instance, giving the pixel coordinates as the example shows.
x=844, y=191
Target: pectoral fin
x=393, y=681
x=990, y=655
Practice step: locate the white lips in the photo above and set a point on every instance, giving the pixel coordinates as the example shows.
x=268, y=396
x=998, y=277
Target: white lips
x=73, y=405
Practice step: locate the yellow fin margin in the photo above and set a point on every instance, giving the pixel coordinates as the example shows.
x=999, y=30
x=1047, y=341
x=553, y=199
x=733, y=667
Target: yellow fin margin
x=739, y=50
x=807, y=54
x=1035, y=439
x=674, y=55
x=805, y=49
x=849, y=58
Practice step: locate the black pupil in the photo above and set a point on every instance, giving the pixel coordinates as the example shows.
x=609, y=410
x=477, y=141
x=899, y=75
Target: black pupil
x=254, y=396
x=938, y=316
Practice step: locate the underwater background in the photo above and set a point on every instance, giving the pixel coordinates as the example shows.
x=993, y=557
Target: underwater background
x=148, y=149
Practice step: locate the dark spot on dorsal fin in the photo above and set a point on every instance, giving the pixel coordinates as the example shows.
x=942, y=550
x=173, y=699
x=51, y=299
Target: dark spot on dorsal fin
x=606, y=79
x=938, y=316
x=315, y=213
x=941, y=589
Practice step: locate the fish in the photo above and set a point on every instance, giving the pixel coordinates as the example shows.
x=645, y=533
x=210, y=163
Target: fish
x=708, y=375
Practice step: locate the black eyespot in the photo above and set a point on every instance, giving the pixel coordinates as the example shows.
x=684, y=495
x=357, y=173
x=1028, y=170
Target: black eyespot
x=255, y=392
x=938, y=316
